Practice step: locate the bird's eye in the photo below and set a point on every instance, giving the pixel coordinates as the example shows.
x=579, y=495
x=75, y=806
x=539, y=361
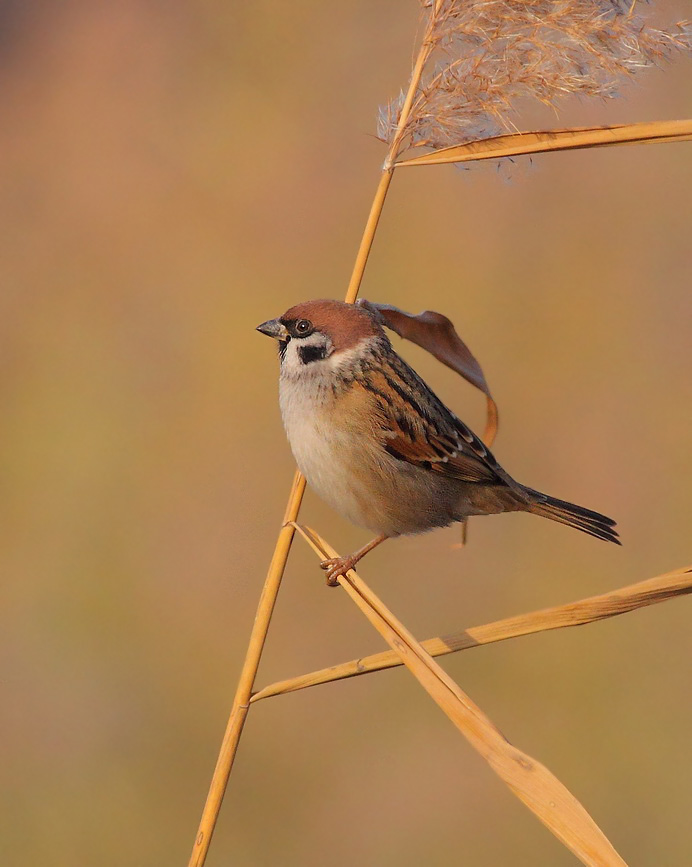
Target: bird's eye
x=303, y=327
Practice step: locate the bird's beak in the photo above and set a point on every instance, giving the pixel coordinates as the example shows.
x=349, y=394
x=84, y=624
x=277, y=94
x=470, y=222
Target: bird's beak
x=273, y=328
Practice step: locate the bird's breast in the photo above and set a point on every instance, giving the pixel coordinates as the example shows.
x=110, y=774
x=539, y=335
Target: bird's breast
x=337, y=440
x=328, y=434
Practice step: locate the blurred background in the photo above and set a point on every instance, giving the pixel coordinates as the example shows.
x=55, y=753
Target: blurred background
x=172, y=175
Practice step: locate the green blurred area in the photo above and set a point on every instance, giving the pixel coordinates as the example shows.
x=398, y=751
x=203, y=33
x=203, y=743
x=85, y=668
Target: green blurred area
x=173, y=174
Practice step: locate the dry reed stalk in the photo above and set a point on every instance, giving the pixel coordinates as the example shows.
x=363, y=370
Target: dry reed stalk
x=528, y=779
x=241, y=702
x=272, y=583
x=589, y=610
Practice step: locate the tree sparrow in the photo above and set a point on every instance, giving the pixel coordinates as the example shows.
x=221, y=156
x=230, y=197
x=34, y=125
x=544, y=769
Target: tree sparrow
x=378, y=445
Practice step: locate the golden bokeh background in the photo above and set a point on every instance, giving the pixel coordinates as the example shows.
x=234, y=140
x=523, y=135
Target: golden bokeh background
x=173, y=174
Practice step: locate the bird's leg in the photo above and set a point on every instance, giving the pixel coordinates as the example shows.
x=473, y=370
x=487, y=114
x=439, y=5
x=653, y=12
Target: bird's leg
x=339, y=566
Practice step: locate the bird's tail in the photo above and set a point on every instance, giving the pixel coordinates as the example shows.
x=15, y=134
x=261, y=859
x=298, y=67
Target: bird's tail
x=583, y=519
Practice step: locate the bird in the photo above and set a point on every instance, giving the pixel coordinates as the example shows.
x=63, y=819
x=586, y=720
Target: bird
x=377, y=444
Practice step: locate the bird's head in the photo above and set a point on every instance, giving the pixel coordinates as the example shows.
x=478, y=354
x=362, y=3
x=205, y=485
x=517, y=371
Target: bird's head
x=320, y=331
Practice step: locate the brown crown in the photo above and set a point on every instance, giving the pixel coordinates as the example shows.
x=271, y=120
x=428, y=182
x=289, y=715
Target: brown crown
x=344, y=323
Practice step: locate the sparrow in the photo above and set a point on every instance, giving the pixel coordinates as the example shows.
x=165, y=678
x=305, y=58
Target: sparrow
x=378, y=445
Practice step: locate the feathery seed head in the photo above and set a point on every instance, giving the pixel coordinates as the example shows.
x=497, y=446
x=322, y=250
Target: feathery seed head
x=488, y=54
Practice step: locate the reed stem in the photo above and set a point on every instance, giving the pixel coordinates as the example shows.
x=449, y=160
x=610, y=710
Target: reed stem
x=589, y=610
x=241, y=702
x=272, y=583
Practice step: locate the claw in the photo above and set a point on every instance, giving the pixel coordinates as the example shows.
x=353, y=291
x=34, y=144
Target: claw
x=339, y=566
x=335, y=568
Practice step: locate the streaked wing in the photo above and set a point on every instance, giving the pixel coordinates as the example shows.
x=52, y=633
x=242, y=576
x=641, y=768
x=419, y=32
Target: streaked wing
x=418, y=428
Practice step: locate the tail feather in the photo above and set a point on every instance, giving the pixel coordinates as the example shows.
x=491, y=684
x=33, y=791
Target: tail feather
x=582, y=519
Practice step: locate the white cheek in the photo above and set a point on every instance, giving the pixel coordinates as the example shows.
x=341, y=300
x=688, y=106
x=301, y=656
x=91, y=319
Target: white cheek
x=334, y=364
x=347, y=358
x=291, y=361
x=292, y=364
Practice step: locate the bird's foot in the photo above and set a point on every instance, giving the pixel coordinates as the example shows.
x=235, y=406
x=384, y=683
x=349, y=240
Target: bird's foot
x=339, y=566
x=336, y=567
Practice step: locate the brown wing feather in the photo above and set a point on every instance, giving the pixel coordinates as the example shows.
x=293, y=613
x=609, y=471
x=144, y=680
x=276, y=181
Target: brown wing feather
x=418, y=428
x=429, y=451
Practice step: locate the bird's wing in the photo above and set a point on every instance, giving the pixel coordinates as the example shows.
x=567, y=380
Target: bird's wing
x=419, y=429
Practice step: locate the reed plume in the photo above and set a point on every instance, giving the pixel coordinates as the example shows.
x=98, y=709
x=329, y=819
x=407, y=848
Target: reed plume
x=490, y=56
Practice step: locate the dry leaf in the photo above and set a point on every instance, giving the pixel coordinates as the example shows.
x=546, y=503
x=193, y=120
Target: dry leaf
x=530, y=781
x=436, y=334
x=589, y=610
x=557, y=140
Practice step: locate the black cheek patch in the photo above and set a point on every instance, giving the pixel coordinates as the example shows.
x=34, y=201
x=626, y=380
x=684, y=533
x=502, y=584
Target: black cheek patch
x=312, y=353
